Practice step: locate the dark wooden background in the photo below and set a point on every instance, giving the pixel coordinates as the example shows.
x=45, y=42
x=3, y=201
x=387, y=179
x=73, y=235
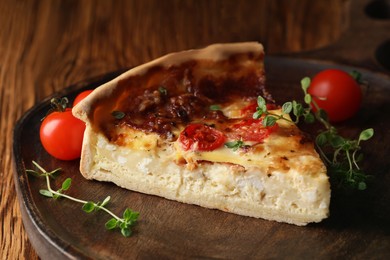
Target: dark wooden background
x=46, y=45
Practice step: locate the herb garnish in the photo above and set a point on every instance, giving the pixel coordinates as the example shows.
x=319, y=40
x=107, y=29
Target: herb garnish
x=163, y=90
x=340, y=154
x=118, y=114
x=235, y=145
x=124, y=224
x=215, y=107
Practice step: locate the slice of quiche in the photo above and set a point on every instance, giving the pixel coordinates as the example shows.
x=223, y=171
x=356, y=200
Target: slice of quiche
x=181, y=127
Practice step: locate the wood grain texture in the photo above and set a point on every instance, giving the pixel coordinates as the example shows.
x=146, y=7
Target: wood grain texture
x=47, y=45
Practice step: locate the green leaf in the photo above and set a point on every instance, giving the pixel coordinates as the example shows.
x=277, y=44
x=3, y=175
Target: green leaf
x=309, y=118
x=308, y=99
x=366, y=134
x=46, y=193
x=123, y=225
x=231, y=144
x=127, y=214
x=257, y=114
x=287, y=107
x=215, y=107
x=130, y=216
x=111, y=224
x=163, y=90
x=89, y=207
x=262, y=103
x=362, y=185
x=336, y=141
x=269, y=121
x=126, y=232
x=234, y=145
x=297, y=109
x=321, y=139
x=349, y=145
x=305, y=84
x=118, y=114
x=66, y=184
x=356, y=75
x=105, y=201
x=134, y=216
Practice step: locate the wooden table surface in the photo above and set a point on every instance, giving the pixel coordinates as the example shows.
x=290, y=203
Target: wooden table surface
x=48, y=45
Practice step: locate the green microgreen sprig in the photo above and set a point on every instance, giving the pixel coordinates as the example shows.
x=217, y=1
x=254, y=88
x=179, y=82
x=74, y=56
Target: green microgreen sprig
x=235, y=145
x=340, y=154
x=118, y=114
x=215, y=107
x=163, y=90
x=125, y=223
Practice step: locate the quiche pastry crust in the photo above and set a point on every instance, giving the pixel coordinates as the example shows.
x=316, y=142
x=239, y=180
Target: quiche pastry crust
x=281, y=179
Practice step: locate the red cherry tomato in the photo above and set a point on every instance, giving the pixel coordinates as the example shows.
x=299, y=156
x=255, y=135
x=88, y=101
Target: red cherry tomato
x=249, y=110
x=337, y=93
x=62, y=134
x=251, y=130
x=199, y=137
x=81, y=96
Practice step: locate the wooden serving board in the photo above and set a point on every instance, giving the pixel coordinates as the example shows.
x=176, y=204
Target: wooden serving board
x=359, y=225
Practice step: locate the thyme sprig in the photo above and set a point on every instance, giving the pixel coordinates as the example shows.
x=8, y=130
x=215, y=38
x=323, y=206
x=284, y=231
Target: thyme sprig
x=125, y=223
x=340, y=154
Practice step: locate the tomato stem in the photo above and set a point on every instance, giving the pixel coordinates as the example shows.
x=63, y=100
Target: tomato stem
x=59, y=104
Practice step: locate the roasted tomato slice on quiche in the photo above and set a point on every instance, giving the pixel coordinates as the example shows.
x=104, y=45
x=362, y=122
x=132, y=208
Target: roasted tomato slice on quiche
x=251, y=130
x=200, y=137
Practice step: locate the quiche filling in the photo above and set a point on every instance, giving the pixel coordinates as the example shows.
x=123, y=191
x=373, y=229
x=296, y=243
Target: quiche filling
x=182, y=127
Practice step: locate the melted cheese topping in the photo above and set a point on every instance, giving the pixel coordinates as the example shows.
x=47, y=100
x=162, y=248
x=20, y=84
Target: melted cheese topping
x=284, y=149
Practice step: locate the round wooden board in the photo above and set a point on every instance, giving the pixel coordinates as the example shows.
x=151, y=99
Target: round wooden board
x=359, y=225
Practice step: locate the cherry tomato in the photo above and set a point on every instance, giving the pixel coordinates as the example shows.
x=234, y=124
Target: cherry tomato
x=249, y=110
x=337, y=93
x=199, y=137
x=81, y=96
x=62, y=134
x=251, y=130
